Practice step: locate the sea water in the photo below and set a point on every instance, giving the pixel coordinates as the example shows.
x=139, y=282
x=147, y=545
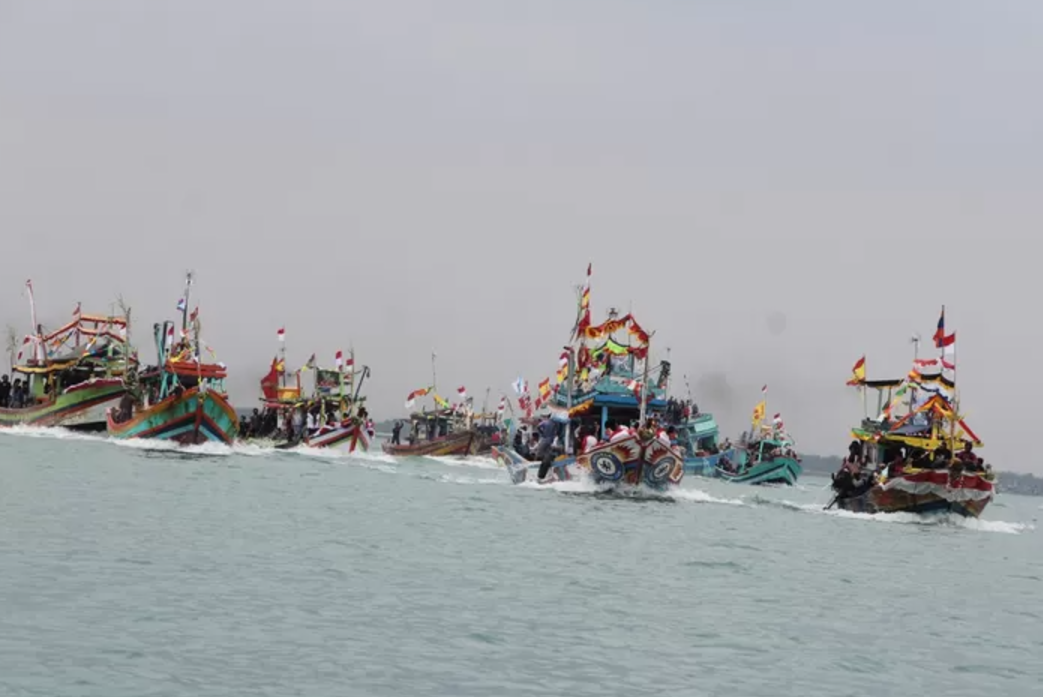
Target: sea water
x=132, y=568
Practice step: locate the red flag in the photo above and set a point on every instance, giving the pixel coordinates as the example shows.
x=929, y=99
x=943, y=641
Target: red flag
x=270, y=382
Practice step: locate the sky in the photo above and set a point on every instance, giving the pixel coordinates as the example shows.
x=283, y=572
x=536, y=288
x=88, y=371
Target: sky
x=774, y=188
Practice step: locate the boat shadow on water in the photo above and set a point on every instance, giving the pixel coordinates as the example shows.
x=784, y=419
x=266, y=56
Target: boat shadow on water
x=181, y=454
x=616, y=494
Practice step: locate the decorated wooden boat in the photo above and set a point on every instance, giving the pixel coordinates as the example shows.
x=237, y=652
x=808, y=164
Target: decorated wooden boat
x=332, y=416
x=190, y=417
x=767, y=461
x=916, y=454
x=460, y=443
x=449, y=429
x=633, y=460
x=765, y=455
x=605, y=410
x=924, y=492
x=69, y=376
x=183, y=399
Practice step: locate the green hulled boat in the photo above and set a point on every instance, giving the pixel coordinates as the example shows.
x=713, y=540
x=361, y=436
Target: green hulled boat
x=71, y=376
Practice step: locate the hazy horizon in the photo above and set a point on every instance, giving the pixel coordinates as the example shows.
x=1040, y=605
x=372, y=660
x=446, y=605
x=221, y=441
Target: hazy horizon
x=775, y=190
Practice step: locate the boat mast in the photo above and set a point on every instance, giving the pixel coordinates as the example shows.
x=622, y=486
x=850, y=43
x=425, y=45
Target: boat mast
x=434, y=373
x=915, y=340
x=568, y=399
x=282, y=356
x=644, y=383
x=667, y=386
x=38, y=350
x=184, y=309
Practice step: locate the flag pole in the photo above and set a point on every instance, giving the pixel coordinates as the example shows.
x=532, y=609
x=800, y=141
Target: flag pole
x=644, y=383
x=184, y=310
x=434, y=373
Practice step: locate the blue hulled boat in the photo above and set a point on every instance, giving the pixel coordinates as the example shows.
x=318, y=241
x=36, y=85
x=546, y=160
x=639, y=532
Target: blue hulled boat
x=698, y=438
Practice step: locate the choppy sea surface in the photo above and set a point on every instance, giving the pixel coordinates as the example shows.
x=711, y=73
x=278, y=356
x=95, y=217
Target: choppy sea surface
x=136, y=569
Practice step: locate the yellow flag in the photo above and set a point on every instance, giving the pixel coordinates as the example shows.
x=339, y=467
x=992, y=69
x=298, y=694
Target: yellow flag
x=758, y=412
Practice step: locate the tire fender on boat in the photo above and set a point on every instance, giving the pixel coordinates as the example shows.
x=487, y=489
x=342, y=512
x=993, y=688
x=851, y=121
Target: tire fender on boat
x=606, y=466
x=660, y=473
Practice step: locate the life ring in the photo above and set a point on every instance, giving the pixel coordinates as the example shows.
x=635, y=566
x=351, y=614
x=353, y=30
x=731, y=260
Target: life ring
x=606, y=466
x=660, y=474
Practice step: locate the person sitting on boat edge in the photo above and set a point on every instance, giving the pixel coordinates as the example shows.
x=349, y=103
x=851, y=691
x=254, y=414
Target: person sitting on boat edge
x=518, y=443
x=587, y=439
x=619, y=434
x=897, y=465
x=967, y=455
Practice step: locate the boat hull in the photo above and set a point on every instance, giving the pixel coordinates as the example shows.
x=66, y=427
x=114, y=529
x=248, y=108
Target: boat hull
x=706, y=465
x=79, y=407
x=191, y=418
x=925, y=493
x=463, y=443
x=781, y=470
x=628, y=461
x=349, y=436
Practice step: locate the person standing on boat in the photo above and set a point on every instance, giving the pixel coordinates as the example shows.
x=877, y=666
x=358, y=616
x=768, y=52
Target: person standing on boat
x=521, y=444
x=396, y=433
x=548, y=431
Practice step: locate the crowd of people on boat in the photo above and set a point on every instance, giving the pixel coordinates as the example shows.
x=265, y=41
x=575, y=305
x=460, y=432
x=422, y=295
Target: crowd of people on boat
x=293, y=423
x=545, y=440
x=431, y=426
x=858, y=472
x=15, y=395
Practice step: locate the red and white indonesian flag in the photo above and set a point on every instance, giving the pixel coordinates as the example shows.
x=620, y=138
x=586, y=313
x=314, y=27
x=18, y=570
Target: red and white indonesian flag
x=462, y=391
x=338, y=360
x=503, y=405
x=414, y=395
x=281, y=333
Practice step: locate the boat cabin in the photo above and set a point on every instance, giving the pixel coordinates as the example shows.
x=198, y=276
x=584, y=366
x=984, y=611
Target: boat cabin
x=43, y=381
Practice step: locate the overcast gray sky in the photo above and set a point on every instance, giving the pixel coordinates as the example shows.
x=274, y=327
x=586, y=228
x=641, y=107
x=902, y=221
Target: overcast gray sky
x=409, y=175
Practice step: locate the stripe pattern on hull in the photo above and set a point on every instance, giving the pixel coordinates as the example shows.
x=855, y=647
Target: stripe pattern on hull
x=81, y=408
x=781, y=470
x=463, y=443
x=191, y=418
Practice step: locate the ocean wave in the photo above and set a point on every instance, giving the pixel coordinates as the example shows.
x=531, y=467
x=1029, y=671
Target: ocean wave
x=700, y=496
x=943, y=520
x=462, y=479
x=480, y=462
x=54, y=432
